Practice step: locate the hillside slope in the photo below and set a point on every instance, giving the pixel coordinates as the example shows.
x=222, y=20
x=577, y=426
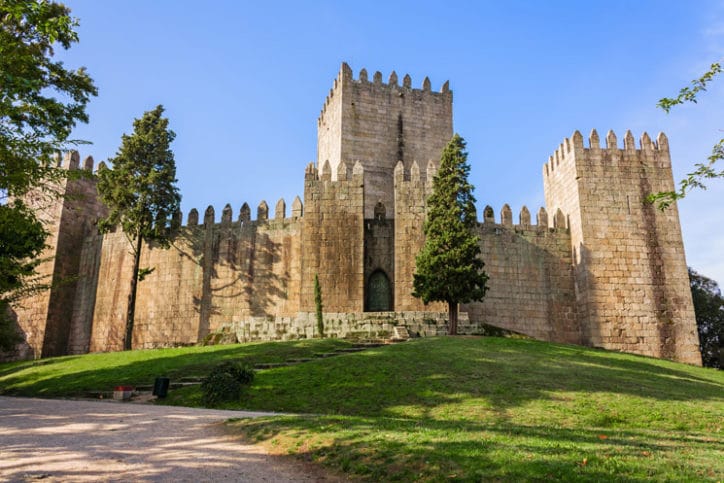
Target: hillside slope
x=469, y=408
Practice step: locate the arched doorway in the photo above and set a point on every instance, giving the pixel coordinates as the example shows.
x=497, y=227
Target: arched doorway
x=379, y=292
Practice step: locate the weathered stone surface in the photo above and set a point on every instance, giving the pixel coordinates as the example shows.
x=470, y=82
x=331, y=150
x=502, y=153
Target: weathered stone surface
x=600, y=266
x=380, y=124
x=629, y=269
x=45, y=318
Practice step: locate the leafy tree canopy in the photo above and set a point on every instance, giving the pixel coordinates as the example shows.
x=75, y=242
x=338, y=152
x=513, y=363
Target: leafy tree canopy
x=449, y=268
x=40, y=100
x=40, y=103
x=709, y=309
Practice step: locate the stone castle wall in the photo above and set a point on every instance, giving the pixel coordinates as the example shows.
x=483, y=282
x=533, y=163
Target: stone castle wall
x=378, y=124
x=214, y=274
x=600, y=267
x=333, y=238
x=359, y=325
x=628, y=257
x=412, y=188
x=531, y=282
x=44, y=318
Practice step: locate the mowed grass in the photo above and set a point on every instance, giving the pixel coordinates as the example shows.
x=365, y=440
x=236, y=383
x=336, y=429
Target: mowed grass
x=481, y=409
x=454, y=408
x=75, y=376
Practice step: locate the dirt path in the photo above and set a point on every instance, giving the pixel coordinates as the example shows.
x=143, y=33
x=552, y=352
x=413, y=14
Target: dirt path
x=60, y=440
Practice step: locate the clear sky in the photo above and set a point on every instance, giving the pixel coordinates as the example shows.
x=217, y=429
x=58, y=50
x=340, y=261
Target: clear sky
x=243, y=84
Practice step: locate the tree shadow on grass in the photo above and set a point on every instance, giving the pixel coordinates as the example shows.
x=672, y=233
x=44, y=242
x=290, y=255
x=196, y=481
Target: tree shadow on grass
x=419, y=378
x=494, y=374
x=141, y=367
x=411, y=449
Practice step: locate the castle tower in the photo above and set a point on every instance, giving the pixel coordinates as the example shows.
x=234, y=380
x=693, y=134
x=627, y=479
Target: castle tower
x=630, y=274
x=377, y=125
x=46, y=317
x=332, y=238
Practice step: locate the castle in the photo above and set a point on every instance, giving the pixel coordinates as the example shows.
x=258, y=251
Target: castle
x=598, y=267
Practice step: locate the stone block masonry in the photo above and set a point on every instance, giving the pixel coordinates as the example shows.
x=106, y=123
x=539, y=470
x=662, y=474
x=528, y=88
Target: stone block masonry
x=44, y=318
x=598, y=267
x=379, y=124
x=630, y=272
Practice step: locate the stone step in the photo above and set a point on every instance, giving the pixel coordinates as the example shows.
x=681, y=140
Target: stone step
x=401, y=333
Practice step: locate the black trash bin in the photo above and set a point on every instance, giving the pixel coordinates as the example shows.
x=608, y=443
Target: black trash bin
x=160, y=387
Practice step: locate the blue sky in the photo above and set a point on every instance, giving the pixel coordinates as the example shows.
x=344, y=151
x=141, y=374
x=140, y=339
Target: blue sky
x=243, y=84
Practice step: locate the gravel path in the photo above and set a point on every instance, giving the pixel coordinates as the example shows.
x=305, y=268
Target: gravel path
x=61, y=440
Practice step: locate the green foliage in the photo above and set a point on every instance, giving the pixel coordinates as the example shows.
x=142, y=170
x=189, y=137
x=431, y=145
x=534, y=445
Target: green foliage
x=449, y=268
x=141, y=195
x=225, y=381
x=709, y=309
x=139, y=189
x=22, y=239
x=40, y=103
x=688, y=94
x=318, y=306
x=703, y=171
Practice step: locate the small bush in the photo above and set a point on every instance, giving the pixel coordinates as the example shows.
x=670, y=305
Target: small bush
x=225, y=381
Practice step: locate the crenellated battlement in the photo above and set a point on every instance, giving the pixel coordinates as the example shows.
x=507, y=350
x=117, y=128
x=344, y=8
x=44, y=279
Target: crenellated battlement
x=70, y=160
x=413, y=174
x=244, y=215
x=648, y=153
x=346, y=75
x=557, y=223
x=342, y=172
x=599, y=265
x=414, y=182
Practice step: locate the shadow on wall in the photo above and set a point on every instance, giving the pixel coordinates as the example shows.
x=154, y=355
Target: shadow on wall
x=237, y=269
x=531, y=289
x=13, y=340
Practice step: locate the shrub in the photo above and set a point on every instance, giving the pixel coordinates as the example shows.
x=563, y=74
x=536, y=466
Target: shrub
x=225, y=381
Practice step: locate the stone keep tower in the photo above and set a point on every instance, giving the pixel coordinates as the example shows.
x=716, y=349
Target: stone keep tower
x=379, y=124
x=631, y=281
x=386, y=131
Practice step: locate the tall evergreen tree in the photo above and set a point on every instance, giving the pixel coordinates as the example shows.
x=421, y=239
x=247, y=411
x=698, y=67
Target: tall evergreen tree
x=449, y=268
x=141, y=194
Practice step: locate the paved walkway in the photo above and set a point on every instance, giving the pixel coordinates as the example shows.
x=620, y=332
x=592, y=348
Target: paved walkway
x=61, y=440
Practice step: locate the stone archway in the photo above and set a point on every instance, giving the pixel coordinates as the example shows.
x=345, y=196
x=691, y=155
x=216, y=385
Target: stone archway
x=379, y=293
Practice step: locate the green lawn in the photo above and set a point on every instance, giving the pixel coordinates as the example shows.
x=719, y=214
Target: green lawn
x=78, y=375
x=464, y=408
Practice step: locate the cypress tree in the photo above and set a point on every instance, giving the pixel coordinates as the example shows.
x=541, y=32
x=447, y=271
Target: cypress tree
x=449, y=268
x=318, y=306
x=141, y=195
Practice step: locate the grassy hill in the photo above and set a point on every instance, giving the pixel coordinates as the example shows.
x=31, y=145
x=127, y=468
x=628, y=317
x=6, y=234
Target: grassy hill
x=449, y=408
